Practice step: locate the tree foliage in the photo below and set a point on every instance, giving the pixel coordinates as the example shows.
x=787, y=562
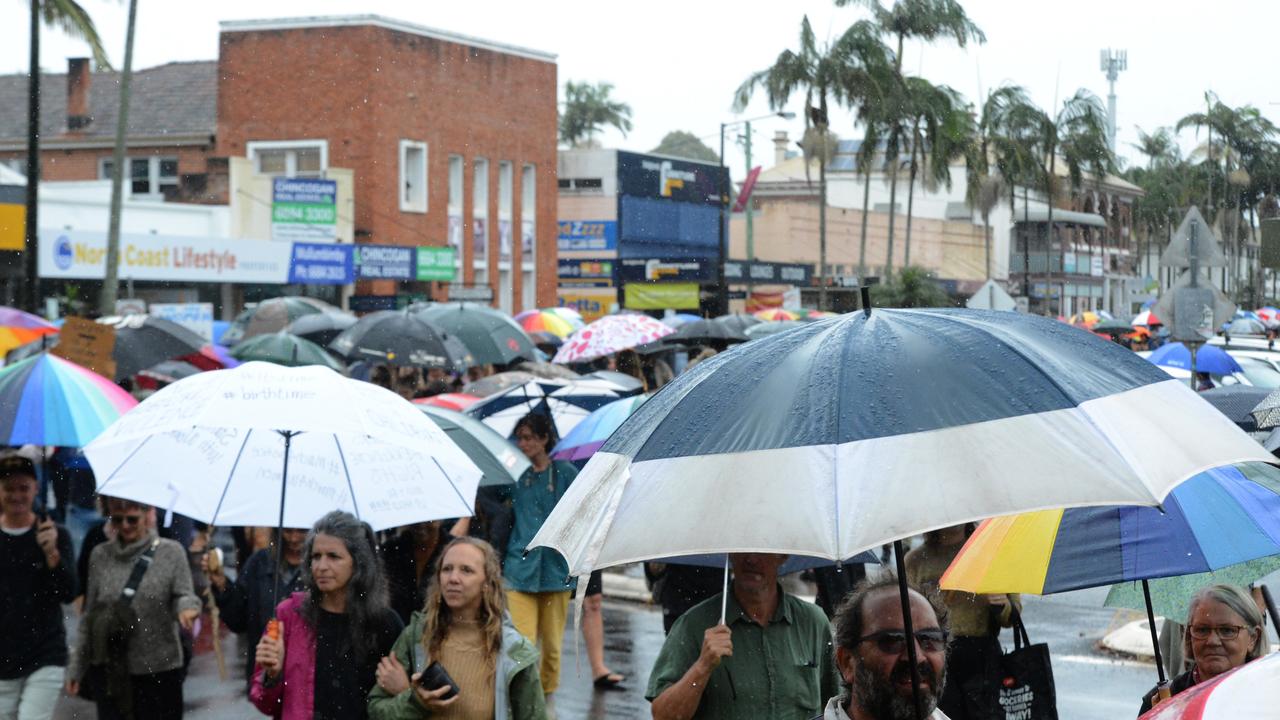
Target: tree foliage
x=74, y=21
x=680, y=143
x=589, y=108
x=911, y=287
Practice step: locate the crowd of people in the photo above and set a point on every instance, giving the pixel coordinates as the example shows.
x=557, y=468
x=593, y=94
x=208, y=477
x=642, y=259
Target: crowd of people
x=453, y=619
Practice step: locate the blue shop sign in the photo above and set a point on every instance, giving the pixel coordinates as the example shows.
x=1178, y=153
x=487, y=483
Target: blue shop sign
x=321, y=264
x=587, y=235
x=384, y=262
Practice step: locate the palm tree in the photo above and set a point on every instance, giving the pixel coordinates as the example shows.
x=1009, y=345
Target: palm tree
x=926, y=20
x=1160, y=147
x=994, y=155
x=846, y=71
x=941, y=127
x=111, y=273
x=587, y=109
x=72, y=19
x=912, y=288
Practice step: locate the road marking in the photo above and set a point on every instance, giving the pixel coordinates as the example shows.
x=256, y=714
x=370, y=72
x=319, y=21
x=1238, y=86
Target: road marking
x=1090, y=660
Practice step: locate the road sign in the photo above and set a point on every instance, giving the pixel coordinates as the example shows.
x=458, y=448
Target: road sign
x=1208, y=252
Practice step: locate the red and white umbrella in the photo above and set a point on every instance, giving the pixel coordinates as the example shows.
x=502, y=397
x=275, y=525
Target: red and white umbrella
x=609, y=335
x=1246, y=693
x=1146, y=318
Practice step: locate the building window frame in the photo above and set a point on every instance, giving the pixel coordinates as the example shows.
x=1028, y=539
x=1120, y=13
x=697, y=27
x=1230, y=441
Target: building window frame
x=156, y=180
x=255, y=148
x=413, y=190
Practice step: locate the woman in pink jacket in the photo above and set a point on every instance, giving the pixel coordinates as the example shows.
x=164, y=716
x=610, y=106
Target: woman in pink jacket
x=324, y=659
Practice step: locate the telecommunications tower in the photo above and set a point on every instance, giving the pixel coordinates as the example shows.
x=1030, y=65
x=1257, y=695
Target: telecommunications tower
x=1113, y=62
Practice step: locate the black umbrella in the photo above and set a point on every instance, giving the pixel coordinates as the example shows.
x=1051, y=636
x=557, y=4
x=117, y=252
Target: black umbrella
x=739, y=321
x=321, y=328
x=490, y=335
x=1237, y=403
x=142, y=341
x=702, y=332
x=272, y=315
x=396, y=337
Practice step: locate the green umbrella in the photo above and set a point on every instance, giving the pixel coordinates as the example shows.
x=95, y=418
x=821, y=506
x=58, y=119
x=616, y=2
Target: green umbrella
x=489, y=334
x=501, y=462
x=283, y=348
x=1171, y=596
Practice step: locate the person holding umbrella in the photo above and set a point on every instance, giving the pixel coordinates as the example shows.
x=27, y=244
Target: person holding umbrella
x=537, y=593
x=465, y=628
x=1224, y=631
x=321, y=660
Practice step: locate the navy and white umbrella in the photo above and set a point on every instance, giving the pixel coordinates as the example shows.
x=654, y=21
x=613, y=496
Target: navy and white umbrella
x=856, y=431
x=567, y=402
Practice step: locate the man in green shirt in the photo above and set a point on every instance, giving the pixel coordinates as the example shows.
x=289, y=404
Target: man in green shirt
x=772, y=657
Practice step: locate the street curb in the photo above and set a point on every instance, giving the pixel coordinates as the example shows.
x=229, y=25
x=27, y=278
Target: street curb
x=1133, y=639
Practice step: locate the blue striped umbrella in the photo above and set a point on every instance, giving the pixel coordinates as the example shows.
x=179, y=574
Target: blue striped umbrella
x=854, y=431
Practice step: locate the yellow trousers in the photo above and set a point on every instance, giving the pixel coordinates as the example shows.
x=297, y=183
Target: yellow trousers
x=541, y=618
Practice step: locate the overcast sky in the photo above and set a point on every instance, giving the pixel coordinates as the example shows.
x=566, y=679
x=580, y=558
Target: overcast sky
x=677, y=63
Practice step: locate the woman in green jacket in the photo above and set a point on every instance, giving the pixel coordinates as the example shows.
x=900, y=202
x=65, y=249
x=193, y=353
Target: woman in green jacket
x=464, y=627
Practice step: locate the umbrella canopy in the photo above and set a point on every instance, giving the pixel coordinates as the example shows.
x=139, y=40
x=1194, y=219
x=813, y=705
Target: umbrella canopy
x=777, y=315
x=1089, y=318
x=621, y=383
x=739, y=321
x=700, y=332
x=975, y=398
x=19, y=328
x=321, y=328
x=609, y=335
x=771, y=328
x=545, y=341
x=1246, y=326
x=545, y=321
x=588, y=435
x=1237, y=403
x=1209, y=359
x=680, y=319
x=211, y=357
x=1268, y=315
x=449, y=401
x=1250, y=691
x=1146, y=318
x=272, y=315
x=501, y=462
x=265, y=444
x=398, y=337
x=1171, y=596
x=573, y=316
x=45, y=400
x=1267, y=412
x=141, y=341
x=1114, y=327
x=566, y=402
x=283, y=348
x=490, y=335
x=498, y=382
x=1220, y=517
x=547, y=370
x=170, y=371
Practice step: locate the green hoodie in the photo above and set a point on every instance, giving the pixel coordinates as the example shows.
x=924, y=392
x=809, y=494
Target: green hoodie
x=517, y=692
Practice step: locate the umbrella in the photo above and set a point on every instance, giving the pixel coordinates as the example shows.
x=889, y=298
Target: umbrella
x=588, y=435
x=321, y=328
x=701, y=332
x=793, y=563
x=19, y=328
x=1209, y=359
x=272, y=315
x=1220, y=517
x=777, y=315
x=449, y=401
x=283, y=348
x=170, y=371
x=680, y=320
x=211, y=357
x=1171, y=596
x=546, y=370
x=545, y=321
x=621, y=383
x=1246, y=326
x=756, y=332
x=1087, y=319
x=501, y=462
x=45, y=400
x=739, y=321
x=1146, y=318
x=1250, y=691
x=498, y=382
x=836, y=407
x=1114, y=327
x=1237, y=403
x=1268, y=315
x=397, y=337
x=610, y=334
x=573, y=316
x=490, y=335
x=818, y=314
x=141, y=341
x=566, y=402
x=545, y=341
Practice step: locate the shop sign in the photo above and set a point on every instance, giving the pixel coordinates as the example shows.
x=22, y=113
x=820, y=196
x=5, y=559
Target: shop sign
x=437, y=263
x=587, y=235
x=384, y=262
x=304, y=209
x=321, y=264
x=666, y=269
x=82, y=255
x=592, y=303
x=660, y=296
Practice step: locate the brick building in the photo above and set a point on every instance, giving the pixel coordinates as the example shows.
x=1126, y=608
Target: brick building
x=450, y=139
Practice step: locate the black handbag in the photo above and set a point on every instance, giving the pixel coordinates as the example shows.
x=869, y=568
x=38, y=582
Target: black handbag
x=1017, y=685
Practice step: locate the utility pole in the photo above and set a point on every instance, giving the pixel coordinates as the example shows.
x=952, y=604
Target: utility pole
x=111, y=276
x=722, y=287
x=1113, y=62
x=746, y=208
x=30, y=243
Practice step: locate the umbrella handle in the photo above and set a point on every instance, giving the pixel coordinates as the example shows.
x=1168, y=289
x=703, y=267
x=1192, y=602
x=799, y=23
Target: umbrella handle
x=1163, y=685
x=904, y=591
x=724, y=594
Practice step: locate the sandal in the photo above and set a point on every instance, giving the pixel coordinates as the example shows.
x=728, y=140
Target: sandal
x=609, y=681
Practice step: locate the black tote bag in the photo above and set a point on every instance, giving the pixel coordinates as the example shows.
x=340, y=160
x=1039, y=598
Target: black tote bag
x=1017, y=685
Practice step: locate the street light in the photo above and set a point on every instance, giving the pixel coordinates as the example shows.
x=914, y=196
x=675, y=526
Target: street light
x=724, y=195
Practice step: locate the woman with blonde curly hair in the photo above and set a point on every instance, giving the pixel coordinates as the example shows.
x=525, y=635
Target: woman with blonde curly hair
x=465, y=628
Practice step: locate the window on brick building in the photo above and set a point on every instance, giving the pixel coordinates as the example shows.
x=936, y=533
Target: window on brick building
x=291, y=158
x=528, y=236
x=413, y=176
x=480, y=218
x=148, y=177
x=456, y=235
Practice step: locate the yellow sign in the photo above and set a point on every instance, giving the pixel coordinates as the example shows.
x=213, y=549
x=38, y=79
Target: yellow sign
x=660, y=296
x=13, y=226
x=592, y=303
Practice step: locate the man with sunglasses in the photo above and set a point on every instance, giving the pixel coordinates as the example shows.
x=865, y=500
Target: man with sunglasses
x=770, y=659
x=36, y=577
x=872, y=656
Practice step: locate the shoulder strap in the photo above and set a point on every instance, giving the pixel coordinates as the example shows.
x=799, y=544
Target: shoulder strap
x=139, y=569
x=1020, y=638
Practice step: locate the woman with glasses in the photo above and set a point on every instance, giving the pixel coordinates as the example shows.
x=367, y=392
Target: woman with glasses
x=1224, y=631
x=129, y=656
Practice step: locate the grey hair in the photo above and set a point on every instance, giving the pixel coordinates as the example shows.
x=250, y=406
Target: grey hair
x=1238, y=600
x=366, y=591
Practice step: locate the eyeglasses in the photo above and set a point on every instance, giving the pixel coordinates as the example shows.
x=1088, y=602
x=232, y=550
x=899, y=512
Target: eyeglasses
x=1226, y=632
x=130, y=520
x=526, y=436
x=893, y=642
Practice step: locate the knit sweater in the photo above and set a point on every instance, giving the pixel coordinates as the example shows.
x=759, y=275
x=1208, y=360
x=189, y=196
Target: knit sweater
x=164, y=592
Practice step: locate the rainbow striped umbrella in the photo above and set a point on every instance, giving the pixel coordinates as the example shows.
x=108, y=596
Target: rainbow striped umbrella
x=19, y=328
x=545, y=321
x=45, y=400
